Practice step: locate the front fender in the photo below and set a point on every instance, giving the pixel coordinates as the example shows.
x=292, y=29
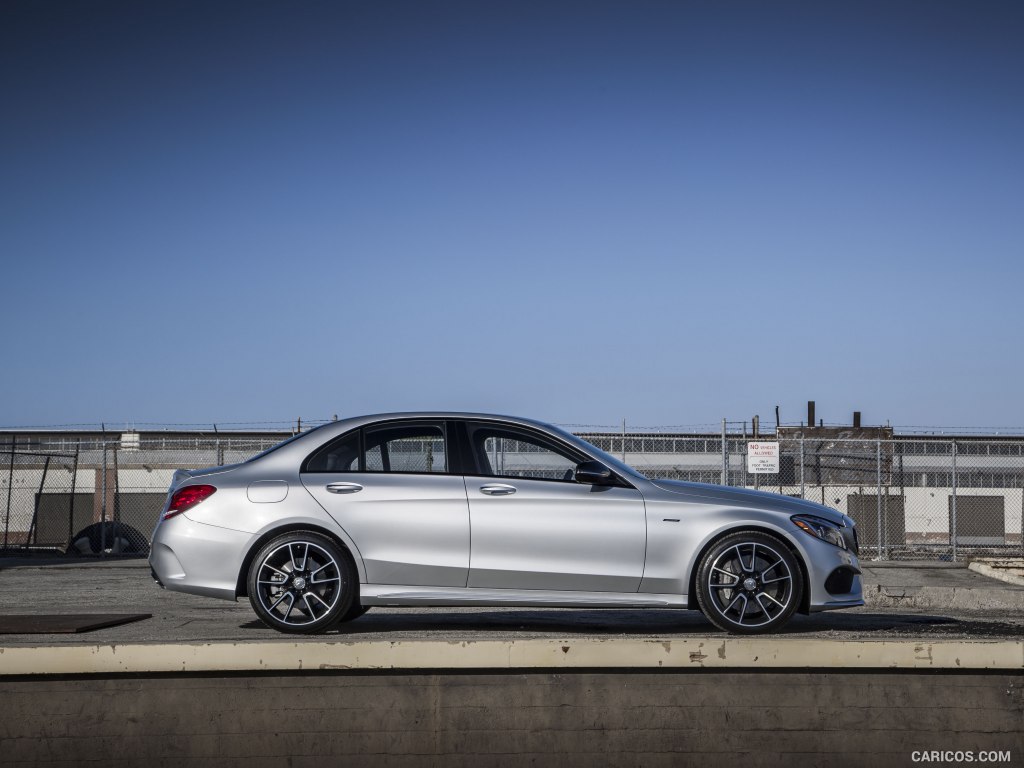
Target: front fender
x=679, y=533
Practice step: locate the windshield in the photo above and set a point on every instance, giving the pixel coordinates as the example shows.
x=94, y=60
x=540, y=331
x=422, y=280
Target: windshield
x=606, y=458
x=285, y=442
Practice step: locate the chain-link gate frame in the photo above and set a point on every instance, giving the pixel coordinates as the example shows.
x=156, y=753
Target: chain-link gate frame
x=37, y=499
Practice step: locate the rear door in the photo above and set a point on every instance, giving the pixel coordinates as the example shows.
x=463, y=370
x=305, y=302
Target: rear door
x=389, y=486
x=535, y=527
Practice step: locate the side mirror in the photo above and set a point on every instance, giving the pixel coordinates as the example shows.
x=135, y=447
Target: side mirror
x=593, y=473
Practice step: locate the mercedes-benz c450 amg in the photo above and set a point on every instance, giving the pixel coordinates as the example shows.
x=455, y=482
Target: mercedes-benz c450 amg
x=455, y=509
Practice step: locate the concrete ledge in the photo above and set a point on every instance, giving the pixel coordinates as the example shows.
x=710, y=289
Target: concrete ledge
x=929, y=598
x=1009, y=574
x=689, y=653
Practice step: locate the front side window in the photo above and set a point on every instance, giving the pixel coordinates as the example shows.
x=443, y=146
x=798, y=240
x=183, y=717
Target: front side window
x=509, y=452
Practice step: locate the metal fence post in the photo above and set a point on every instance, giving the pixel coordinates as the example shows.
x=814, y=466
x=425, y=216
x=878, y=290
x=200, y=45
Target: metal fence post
x=116, y=516
x=878, y=498
x=801, y=466
x=74, y=487
x=33, y=528
x=743, y=456
x=103, y=505
x=725, y=457
x=220, y=451
x=10, y=485
x=952, y=514
x=746, y=460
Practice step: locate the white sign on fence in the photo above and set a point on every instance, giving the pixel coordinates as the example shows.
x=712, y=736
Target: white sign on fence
x=763, y=458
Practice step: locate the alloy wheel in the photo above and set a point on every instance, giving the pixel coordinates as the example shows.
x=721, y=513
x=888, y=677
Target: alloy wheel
x=750, y=585
x=298, y=583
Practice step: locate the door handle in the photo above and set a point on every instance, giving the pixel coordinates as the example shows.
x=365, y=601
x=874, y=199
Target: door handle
x=344, y=487
x=497, y=489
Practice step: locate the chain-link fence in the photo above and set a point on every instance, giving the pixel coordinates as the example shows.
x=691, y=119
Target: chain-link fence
x=910, y=497
x=37, y=498
x=101, y=497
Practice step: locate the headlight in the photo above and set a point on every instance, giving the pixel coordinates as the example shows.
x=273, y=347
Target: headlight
x=820, y=529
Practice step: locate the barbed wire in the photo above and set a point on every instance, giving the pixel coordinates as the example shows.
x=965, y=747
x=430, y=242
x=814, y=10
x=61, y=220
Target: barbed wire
x=130, y=426
x=288, y=425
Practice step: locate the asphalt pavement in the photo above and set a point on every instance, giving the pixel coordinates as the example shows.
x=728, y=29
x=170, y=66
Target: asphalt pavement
x=906, y=602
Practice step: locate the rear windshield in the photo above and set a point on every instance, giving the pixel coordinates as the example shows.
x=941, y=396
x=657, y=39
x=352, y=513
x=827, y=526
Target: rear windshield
x=285, y=442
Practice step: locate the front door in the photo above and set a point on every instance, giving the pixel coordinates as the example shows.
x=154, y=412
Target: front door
x=534, y=527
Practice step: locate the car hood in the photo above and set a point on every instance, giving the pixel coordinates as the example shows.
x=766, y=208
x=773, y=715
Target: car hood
x=741, y=497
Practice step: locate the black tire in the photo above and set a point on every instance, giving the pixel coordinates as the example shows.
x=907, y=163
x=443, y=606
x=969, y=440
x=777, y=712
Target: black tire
x=302, y=582
x=749, y=583
x=115, y=538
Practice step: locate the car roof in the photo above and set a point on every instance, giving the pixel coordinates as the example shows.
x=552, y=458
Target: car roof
x=442, y=415
x=298, y=445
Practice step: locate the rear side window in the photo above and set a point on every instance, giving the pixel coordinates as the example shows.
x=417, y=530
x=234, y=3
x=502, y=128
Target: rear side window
x=405, y=447
x=415, y=448
x=342, y=455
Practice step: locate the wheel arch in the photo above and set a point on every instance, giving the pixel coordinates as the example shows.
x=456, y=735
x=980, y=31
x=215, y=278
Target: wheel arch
x=691, y=587
x=241, y=585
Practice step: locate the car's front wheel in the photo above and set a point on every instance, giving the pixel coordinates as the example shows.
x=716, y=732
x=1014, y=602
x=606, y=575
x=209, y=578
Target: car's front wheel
x=749, y=583
x=302, y=582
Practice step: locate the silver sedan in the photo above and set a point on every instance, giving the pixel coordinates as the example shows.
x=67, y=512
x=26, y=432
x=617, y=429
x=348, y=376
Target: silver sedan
x=456, y=509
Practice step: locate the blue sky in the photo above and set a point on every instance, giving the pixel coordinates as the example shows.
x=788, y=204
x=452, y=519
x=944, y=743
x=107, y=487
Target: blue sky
x=665, y=212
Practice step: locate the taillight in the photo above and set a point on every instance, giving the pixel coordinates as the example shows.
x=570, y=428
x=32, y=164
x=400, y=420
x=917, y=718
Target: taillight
x=188, y=497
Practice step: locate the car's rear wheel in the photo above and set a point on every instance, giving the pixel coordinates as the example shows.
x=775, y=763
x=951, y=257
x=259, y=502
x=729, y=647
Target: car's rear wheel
x=302, y=582
x=749, y=583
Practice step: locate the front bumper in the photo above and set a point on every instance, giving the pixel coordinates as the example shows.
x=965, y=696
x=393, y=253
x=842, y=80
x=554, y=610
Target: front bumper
x=829, y=565
x=200, y=559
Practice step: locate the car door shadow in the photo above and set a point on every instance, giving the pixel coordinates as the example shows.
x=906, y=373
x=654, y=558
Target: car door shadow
x=417, y=622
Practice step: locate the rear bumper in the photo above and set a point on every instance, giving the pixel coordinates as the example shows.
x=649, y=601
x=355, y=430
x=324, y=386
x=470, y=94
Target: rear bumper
x=200, y=559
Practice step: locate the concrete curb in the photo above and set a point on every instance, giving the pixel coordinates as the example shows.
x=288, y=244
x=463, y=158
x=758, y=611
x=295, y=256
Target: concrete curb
x=689, y=653
x=944, y=598
x=1001, y=574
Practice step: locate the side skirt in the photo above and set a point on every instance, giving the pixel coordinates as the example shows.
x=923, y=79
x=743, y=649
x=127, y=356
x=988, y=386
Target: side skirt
x=397, y=595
